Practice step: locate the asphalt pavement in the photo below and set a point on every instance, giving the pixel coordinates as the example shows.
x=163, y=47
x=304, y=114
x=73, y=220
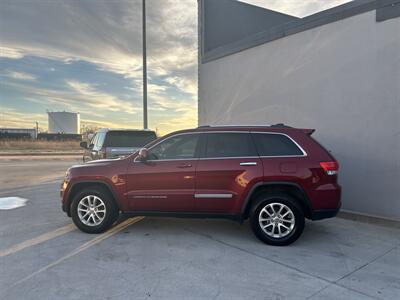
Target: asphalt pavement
x=43, y=255
x=24, y=171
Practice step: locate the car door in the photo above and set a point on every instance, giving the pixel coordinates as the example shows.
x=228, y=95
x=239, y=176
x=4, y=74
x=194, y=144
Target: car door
x=228, y=166
x=97, y=145
x=165, y=182
x=88, y=154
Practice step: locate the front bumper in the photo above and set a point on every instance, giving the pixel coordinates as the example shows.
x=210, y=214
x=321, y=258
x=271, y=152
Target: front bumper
x=325, y=213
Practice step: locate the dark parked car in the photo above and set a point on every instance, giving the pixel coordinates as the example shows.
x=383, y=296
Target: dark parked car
x=112, y=143
x=275, y=176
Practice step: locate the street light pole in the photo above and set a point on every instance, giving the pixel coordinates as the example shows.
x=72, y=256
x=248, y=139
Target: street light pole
x=145, y=125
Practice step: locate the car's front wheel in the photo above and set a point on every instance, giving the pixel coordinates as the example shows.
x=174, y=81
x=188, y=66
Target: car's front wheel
x=277, y=219
x=93, y=210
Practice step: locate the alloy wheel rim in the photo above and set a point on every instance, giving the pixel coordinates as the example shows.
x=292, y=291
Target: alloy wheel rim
x=91, y=210
x=277, y=220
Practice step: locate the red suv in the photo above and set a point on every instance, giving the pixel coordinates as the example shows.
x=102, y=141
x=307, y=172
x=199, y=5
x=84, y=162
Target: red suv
x=276, y=176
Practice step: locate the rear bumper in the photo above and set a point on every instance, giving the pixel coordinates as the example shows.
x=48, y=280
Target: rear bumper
x=325, y=213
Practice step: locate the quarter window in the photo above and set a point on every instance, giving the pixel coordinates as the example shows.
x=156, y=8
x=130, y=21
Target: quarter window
x=229, y=145
x=177, y=147
x=275, y=145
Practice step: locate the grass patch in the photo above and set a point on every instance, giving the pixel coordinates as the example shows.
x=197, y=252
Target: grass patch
x=10, y=145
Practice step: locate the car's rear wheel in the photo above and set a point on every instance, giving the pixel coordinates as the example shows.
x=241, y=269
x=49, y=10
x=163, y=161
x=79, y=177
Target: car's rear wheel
x=93, y=210
x=277, y=219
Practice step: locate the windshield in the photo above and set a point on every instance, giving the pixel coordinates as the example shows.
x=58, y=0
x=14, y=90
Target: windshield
x=134, y=139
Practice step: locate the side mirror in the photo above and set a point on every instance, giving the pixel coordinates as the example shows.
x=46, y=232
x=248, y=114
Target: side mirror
x=83, y=145
x=143, y=154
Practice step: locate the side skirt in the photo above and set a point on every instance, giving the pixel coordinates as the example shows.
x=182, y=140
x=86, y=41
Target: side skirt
x=190, y=215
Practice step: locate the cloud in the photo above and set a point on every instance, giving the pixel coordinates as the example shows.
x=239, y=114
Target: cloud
x=11, y=53
x=87, y=94
x=167, y=113
x=297, y=8
x=181, y=113
x=184, y=84
x=156, y=88
x=126, y=123
x=10, y=117
x=76, y=96
x=107, y=34
x=20, y=75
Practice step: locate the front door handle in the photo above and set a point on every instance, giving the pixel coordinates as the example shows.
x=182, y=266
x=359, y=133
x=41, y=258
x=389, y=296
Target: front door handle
x=249, y=163
x=182, y=166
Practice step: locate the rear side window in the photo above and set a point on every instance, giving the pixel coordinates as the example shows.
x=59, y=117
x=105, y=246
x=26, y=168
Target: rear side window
x=275, y=145
x=229, y=145
x=134, y=139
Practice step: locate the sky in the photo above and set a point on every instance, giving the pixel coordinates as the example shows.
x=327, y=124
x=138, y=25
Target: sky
x=86, y=56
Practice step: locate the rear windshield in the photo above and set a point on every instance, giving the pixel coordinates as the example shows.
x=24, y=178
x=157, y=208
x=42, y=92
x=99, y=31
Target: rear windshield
x=134, y=139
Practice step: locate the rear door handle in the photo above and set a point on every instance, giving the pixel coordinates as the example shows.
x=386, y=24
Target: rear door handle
x=249, y=163
x=182, y=166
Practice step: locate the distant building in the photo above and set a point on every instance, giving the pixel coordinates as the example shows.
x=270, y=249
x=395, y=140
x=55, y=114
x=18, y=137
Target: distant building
x=18, y=133
x=337, y=71
x=64, y=122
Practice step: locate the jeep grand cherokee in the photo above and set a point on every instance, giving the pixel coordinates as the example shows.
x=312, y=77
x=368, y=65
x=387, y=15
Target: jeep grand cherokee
x=275, y=176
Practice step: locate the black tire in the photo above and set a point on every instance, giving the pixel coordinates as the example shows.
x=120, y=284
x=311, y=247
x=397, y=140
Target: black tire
x=111, y=210
x=262, y=202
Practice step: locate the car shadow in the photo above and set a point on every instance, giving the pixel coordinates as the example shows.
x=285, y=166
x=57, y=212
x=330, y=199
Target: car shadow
x=220, y=230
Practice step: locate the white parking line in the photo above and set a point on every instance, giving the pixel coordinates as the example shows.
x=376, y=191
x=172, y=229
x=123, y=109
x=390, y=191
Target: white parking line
x=83, y=247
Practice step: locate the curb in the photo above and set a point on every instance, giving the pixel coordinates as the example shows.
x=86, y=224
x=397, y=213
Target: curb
x=359, y=217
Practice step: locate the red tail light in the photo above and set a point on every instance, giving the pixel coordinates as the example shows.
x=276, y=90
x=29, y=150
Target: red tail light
x=330, y=167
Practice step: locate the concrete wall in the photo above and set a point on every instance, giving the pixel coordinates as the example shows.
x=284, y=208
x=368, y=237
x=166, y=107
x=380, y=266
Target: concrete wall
x=343, y=79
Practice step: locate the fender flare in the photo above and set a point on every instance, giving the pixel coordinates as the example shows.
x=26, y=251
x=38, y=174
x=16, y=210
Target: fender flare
x=67, y=203
x=304, y=201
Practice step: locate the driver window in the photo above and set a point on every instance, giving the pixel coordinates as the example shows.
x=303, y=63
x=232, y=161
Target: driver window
x=178, y=147
x=94, y=139
x=98, y=144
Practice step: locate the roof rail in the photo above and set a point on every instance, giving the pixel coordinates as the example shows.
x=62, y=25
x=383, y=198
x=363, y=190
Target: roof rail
x=242, y=125
x=278, y=125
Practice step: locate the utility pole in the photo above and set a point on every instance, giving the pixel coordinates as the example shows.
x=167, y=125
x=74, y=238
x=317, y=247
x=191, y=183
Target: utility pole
x=145, y=125
x=37, y=129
